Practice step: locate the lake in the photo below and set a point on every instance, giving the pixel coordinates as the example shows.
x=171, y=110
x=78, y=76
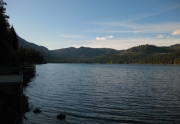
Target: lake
x=104, y=93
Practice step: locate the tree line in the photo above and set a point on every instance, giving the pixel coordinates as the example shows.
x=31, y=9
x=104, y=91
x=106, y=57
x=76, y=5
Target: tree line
x=159, y=58
x=10, y=52
x=164, y=58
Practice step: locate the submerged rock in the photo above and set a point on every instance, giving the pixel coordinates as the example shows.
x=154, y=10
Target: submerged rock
x=61, y=116
x=37, y=110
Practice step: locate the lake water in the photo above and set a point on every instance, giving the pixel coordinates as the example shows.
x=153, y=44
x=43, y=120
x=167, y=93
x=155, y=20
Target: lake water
x=104, y=93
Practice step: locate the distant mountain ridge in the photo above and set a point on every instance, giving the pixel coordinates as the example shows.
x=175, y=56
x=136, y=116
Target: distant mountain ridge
x=141, y=53
x=45, y=52
x=83, y=52
x=67, y=53
x=175, y=46
x=150, y=49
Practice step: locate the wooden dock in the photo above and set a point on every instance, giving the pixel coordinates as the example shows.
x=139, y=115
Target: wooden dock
x=11, y=88
x=13, y=104
x=11, y=80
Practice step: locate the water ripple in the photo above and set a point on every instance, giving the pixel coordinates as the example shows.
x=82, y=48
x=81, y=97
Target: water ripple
x=90, y=93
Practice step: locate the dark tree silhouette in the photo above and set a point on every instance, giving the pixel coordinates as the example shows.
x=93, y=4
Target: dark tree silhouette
x=4, y=27
x=30, y=56
x=9, y=53
x=13, y=39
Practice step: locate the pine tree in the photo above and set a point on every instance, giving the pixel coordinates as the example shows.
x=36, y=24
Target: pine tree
x=4, y=27
x=13, y=39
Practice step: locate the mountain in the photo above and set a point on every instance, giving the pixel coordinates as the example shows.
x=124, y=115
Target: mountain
x=68, y=53
x=145, y=54
x=175, y=47
x=45, y=52
x=83, y=52
x=149, y=49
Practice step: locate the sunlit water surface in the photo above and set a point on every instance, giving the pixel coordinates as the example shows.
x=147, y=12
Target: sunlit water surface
x=103, y=93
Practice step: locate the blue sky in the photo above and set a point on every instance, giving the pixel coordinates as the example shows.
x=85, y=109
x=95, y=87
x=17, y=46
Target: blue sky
x=118, y=24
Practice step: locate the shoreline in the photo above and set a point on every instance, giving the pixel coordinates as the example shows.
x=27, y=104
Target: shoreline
x=14, y=103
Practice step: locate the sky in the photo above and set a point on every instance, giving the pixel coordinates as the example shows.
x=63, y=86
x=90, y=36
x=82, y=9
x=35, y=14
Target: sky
x=117, y=24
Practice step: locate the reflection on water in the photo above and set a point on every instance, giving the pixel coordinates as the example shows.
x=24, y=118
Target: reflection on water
x=101, y=93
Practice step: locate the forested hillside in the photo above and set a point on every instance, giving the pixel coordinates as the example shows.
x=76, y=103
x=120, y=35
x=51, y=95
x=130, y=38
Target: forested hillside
x=43, y=50
x=147, y=49
x=9, y=48
x=143, y=54
x=82, y=52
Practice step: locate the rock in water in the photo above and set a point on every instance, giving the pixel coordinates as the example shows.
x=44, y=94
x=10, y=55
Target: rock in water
x=37, y=110
x=61, y=116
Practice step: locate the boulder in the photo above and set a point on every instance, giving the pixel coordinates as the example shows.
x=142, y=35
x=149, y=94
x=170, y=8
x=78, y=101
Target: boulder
x=37, y=110
x=61, y=116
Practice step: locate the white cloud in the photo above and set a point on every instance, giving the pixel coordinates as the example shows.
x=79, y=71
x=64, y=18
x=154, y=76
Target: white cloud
x=176, y=32
x=104, y=38
x=136, y=31
x=161, y=36
x=71, y=36
x=168, y=37
x=100, y=38
x=110, y=36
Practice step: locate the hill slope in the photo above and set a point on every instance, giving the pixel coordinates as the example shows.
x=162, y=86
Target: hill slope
x=139, y=54
x=45, y=52
x=148, y=49
x=145, y=54
x=175, y=47
x=83, y=52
